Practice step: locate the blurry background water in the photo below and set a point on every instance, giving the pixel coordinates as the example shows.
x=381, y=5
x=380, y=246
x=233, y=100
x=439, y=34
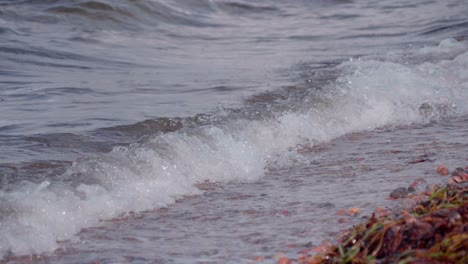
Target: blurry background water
x=110, y=107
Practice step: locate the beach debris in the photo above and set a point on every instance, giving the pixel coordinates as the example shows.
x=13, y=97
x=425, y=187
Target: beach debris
x=433, y=231
x=442, y=170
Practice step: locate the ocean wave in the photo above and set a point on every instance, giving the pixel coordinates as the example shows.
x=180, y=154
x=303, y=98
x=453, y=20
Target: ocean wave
x=447, y=27
x=140, y=14
x=107, y=14
x=160, y=168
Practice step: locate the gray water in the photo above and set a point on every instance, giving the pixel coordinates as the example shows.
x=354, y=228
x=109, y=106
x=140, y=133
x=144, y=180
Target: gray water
x=212, y=131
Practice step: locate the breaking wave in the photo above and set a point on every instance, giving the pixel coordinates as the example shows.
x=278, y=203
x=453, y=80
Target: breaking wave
x=232, y=145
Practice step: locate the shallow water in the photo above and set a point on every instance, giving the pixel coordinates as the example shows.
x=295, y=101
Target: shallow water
x=251, y=124
x=294, y=208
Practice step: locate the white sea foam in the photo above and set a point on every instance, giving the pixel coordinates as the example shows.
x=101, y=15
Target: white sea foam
x=156, y=172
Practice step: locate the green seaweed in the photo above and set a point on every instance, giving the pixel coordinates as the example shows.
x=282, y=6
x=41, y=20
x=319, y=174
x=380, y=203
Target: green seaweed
x=434, y=231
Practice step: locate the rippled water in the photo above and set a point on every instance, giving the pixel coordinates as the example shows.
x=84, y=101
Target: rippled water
x=251, y=123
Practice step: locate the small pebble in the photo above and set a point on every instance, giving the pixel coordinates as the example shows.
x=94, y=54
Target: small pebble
x=418, y=185
x=457, y=179
x=442, y=170
x=464, y=177
x=343, y=220
x=284, y=260
x=454, y=217
x=401, y=192
x=309, y=244
x=458, y=172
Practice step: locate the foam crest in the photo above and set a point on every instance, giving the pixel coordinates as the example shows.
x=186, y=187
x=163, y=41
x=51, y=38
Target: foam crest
x=157, y=171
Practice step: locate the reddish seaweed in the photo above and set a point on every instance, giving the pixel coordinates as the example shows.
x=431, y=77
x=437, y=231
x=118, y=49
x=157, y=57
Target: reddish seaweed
x=433, y=231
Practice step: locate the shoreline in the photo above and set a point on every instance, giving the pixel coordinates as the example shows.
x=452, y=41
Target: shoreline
x=434, y=230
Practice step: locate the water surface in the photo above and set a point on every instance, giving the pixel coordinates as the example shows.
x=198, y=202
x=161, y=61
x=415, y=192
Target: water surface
x=190, y=131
